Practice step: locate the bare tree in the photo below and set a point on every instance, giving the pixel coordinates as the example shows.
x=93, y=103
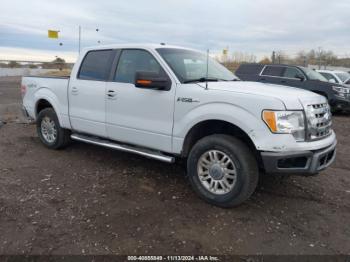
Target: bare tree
x=265, y=61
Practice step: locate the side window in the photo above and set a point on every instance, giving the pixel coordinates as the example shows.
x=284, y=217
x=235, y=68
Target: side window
x=251, y=69
x=291, y=72
x=273, y=71
x=329, y=76
x=96, y=65
x=131, y=61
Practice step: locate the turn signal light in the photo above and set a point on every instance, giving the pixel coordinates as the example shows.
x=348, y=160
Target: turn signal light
x=144, y=82
x=270, y=119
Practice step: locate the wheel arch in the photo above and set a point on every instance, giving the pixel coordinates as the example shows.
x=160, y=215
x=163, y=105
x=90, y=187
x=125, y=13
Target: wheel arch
x=211, y=127
x=46, y=102
x=41, y=104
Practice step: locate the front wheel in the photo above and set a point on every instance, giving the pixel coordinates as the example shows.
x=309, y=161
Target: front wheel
x=51, y=134
x=222, y=170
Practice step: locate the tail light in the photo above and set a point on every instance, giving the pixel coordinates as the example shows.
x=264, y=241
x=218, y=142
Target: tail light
x=23, y=90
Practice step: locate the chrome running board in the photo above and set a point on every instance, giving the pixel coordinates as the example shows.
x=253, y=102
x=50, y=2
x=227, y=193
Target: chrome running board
x=126, y=148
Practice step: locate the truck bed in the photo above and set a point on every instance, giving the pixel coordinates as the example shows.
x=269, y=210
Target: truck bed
x=44, y=87
x=59, y=77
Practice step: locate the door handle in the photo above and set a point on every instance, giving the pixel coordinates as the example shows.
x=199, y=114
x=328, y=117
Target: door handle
x=111, y=94
x=75, y=90
x=283, y=81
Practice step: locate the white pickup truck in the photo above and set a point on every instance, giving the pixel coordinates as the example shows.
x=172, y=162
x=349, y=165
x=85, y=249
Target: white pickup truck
x=167, y=102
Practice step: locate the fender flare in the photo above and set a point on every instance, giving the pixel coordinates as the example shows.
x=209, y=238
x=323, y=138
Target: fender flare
x=45, y=94
x=233, y=114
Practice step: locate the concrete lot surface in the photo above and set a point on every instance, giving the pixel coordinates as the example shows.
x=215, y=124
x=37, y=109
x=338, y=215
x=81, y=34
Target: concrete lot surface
x=91, y=200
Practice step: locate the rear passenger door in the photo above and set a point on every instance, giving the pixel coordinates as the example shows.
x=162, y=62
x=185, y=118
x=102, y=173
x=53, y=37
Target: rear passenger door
x=135, y=115
x=87, y=92
x=271, y=74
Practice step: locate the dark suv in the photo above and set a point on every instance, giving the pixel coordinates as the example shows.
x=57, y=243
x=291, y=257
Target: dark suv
x=297, y=76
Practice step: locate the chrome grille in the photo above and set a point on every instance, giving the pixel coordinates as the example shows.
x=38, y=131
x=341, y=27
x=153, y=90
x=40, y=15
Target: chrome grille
x=319, y=121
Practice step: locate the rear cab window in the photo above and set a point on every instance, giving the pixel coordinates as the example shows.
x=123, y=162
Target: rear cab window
x=96, y=65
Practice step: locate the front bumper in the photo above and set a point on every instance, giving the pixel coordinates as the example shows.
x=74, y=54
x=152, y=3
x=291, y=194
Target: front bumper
x=299, y=163
x=340, y=103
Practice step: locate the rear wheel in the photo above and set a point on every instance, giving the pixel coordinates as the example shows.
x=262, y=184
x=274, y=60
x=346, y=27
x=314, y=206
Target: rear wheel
x=49, y=130
x=222, y=170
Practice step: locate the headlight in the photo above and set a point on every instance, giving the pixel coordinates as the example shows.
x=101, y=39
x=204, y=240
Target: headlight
x=341, y=90
x=286, y=122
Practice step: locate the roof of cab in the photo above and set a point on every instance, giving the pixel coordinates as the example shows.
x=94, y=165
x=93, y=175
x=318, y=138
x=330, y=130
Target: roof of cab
x=330, y=71
x=135, y=45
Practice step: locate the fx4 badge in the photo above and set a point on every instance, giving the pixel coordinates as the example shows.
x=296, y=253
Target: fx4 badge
x=187, y=100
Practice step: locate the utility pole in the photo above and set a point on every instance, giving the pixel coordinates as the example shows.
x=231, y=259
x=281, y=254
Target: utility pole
x=273, y=57
x=98, y=41
x=207, y=73
x=319, y=57
x=80, y=29
x=79, y=38
x=305, y=61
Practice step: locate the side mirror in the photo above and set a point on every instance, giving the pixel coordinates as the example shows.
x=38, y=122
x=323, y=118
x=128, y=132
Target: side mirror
x=301, y=78
x=151, y=80
x=332, y=81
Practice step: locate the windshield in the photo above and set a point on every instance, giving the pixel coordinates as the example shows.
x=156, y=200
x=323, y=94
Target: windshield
x=313, y=75
x=343, y=76
x=190, y=66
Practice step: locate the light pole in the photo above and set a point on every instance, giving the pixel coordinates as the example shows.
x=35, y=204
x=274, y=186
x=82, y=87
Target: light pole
x=79, y=38
x=273, y=57
x=319, y=57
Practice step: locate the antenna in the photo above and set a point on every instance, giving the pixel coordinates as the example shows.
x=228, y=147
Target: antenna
x=207, y=74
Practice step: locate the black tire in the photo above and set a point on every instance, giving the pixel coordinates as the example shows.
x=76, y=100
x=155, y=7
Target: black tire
x=63, y=135
x=247, y=174
x=336, y=110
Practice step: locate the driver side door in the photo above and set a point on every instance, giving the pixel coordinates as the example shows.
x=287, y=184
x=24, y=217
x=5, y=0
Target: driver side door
x=292, y=76
x=140, y=116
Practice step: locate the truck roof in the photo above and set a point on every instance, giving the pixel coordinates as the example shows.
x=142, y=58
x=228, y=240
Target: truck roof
x=330, y=71
x=135, y=45
x=255, y=68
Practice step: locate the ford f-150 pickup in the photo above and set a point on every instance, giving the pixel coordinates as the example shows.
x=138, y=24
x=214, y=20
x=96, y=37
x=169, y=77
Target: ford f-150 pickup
x=167, y=102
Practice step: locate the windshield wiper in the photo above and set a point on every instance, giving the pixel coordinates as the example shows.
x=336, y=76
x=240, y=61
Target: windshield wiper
x=209, y=79
x=231, y=80
x=202, y=79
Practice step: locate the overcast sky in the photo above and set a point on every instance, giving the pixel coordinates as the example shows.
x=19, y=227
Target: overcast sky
x=258, y=26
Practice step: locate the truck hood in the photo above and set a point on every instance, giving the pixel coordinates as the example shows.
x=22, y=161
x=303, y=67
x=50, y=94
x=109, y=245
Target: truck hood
x=291, y=97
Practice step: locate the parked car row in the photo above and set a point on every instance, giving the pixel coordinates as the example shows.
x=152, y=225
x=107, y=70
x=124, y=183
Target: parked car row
x=333, y=85
x=339, y=77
